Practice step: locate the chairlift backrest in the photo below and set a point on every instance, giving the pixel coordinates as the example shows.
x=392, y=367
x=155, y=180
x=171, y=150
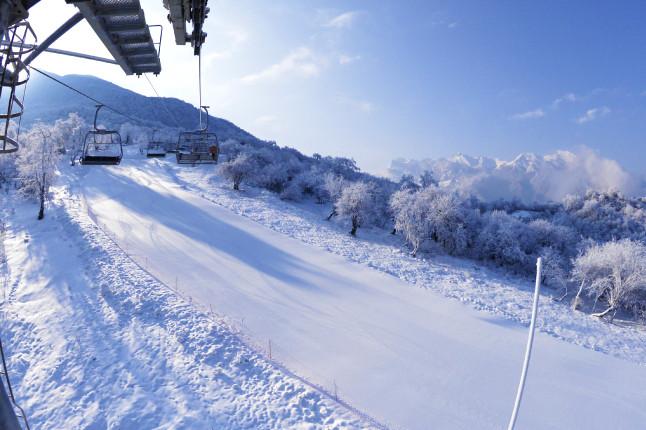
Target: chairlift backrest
x=101, y=146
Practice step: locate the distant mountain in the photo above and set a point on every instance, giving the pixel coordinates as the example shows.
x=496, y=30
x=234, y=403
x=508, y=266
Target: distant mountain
x=528, y=177
x=47, y=101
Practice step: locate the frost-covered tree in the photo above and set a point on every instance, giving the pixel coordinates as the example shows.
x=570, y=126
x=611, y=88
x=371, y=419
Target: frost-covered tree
x=333, y=186
x=433, y=214
x=356, y=203
x=8, y=161
x=37, y=163
x=407, y=182
x=67, y=134
x=614, y=273
x=134, y=134
x=502, y=240
x=238, y=169
x=426, y=179
x=411, y=219
x=306, y=183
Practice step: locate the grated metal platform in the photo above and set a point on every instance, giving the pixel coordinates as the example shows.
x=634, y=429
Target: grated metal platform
x=121, y=26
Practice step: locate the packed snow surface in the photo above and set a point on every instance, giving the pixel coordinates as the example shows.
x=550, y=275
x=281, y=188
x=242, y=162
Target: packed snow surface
x=94, y=342
x=408, y=356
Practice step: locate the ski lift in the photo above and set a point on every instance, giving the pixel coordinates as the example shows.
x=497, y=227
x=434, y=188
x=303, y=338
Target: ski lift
x=198, y=147
x=155, y=148
x=101, y=146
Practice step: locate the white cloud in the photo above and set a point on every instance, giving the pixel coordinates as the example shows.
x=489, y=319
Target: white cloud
x=235, y=38
x=532, y=114
x=360, y=105
x=443, y=19
x=266, y=119
x=592, y=114
x=347, y=59
x=567, y=98
x=345, y=20
x=300, y=62
x=528, y=177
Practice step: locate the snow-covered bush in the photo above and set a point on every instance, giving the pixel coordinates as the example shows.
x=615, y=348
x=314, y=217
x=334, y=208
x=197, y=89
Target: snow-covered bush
x=333, y=186
x=411, y=218
x=502, y=240
x=306, y=183
x=238, y=169
x=7, y=167
x=436, y=215
x=407, y=182
x=426, y=179
x=356, y=203
x=37, y=162
x=68, y=133
x=229, y=149
x=613, y=273
x=604, y=216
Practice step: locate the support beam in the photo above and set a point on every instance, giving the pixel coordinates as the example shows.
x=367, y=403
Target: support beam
x=75, y=19
x=69, y=53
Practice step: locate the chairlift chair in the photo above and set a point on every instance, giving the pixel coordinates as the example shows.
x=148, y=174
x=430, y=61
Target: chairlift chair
x=101, y=146
x=155, y=148
x=198, y=147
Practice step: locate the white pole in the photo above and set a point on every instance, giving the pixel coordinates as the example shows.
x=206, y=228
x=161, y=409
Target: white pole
x=528, y=350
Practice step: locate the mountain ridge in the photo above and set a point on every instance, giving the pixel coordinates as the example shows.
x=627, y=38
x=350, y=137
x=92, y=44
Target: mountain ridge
x=47, y=101
x=528, y=177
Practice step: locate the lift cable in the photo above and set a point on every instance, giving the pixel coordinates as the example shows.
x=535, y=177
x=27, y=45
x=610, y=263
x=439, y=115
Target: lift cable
x=163, y=102
x=199, y=79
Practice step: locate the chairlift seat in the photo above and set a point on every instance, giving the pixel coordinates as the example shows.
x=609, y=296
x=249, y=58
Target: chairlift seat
x=197, y=147
x=155, y=149
x=102, y=147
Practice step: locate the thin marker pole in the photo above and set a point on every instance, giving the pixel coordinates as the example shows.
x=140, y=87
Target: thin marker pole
x=528, y=350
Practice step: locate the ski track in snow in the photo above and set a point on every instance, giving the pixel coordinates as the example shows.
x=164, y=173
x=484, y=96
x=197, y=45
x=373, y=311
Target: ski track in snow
x=95, y=342
x=464, y=280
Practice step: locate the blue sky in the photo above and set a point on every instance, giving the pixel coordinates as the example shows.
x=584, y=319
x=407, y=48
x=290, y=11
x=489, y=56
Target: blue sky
x=376, y=80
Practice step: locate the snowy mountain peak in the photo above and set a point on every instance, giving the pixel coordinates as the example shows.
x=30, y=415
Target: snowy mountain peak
x=528, y=177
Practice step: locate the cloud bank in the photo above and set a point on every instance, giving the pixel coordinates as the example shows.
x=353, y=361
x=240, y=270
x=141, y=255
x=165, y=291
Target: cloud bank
x=528, y=177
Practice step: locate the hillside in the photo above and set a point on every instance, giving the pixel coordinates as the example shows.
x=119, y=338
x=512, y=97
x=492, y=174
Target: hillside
x=48, y=101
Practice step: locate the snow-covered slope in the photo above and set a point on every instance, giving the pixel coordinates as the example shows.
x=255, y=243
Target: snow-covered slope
x=406, y=355
x=94, y=342
x=528, y=177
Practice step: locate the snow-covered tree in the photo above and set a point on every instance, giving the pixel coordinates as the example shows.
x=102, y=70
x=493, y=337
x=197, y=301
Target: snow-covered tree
x=356, y=203
x=502, y=240
x=426, y=179
x=614, y=273
x=306, y=183
x=433, y=214
x=37, y=163
x=333, y=186
x=67, y=134
x=238, y=169
x=411, y=219
x=407, y=182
